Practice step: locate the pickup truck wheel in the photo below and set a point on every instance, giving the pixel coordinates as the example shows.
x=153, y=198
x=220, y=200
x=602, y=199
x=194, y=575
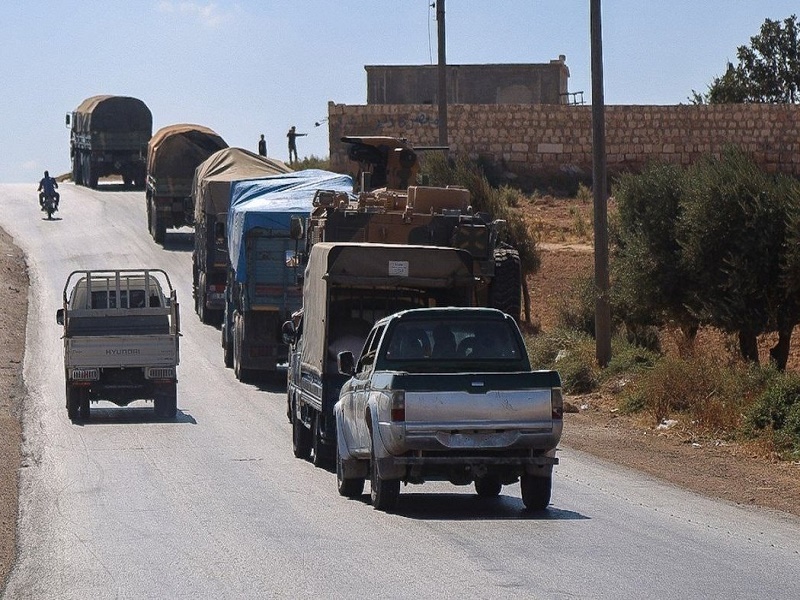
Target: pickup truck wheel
x=487, y=487
x=84, y=405
x=301, y=438
x=73, y=402
x=385, y=492
x=349, y=488
x=321, y=455
x=165, y=403
x=536, y=491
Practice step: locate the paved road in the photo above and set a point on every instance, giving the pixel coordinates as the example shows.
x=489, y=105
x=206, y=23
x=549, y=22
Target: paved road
x=213, y=505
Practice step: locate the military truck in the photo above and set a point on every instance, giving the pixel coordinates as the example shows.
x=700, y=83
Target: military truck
x=121, y=339
x=173, y=154
x=108, y=136
x=347, y=287
x=211, y=193
x=262, y=288
x=390, y=209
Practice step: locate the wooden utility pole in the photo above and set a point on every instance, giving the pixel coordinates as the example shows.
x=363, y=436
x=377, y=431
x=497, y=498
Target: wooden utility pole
x=442, y=74
x=602, y=314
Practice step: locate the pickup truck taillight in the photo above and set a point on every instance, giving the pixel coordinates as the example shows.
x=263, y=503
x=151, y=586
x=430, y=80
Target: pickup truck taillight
x=398, y=405
x=557, y=403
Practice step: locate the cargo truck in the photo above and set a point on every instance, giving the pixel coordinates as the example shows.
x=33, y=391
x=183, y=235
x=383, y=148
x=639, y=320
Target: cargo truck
x=263, y=289
x=347, y=287
x=211, y=193
x=173, y=154
x=109, y=136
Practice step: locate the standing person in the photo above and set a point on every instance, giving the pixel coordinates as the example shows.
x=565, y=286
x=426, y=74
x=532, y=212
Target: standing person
x=47, y=187
x=262, y=146
x=293, y=135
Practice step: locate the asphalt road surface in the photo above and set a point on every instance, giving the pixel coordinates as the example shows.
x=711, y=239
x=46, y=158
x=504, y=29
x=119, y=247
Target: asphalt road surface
x=214, y=505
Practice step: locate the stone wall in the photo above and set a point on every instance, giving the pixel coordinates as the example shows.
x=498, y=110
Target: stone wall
x=542, y=140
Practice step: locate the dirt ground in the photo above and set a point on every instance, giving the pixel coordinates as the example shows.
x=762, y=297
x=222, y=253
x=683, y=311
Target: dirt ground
x=739, y=473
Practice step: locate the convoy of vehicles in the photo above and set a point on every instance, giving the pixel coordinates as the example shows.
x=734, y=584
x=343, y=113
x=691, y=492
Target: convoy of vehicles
x=173, y=154
x=346, y=288
x=211, y=193
x=303, y=268
x=446, y=394
x=121, y=339
x=263, y=285
x=108, y=136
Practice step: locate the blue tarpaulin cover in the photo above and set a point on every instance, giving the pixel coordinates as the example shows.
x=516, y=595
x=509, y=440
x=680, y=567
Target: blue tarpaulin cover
x=270, y=202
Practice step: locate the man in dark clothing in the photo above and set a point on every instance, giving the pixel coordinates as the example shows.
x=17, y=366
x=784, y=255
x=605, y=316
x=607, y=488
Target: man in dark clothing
x=47, y=187
x=262, y=146
x=293, y=135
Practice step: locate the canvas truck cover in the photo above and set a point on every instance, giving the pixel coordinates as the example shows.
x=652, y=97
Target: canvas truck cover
x=211, y=188
x=270, y=203
x=175, y=151
x=113, y=114
x=371, y=265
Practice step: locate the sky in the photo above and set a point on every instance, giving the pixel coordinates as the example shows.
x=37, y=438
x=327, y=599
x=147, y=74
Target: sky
x=247, y=67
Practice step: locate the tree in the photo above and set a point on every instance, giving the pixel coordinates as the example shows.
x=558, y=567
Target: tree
x=768, y=69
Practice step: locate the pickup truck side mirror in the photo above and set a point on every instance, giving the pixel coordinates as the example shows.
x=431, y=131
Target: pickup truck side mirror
x=60, y=316
x=346, y=363
x=289, y=332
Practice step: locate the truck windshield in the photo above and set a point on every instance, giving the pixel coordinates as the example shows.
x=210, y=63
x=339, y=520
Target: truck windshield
x=453, y=340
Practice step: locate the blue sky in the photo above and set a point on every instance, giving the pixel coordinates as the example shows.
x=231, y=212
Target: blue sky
x=248, y=67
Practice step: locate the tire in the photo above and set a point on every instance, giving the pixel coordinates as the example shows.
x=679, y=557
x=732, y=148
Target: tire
x=73, y=402
x=91, y=174
x=165, y=403
x=349, y=488
x=321, y=453
x=384, y=493
x=227, y=347
x=301, y=438
x=84, y=406
x=506, y=287
x=157, y=228
x=487, y=487
x=536, y=491
x=242, y=374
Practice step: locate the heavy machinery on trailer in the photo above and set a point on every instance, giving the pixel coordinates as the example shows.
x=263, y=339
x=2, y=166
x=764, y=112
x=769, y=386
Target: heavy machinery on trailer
x=211, y=195
x=173, y=155
x=390, y=209
x=109, y=136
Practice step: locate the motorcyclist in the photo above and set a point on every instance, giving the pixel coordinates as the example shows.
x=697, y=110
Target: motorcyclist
x=47, y=187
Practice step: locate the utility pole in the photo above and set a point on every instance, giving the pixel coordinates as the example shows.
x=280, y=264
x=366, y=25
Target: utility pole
x=442, y=74
x=602, y=314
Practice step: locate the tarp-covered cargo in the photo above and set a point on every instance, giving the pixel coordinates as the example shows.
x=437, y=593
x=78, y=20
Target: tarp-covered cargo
x=371, y=266
x=173, y=154
x=211, y=188
x=107, y=113
x=270, y=203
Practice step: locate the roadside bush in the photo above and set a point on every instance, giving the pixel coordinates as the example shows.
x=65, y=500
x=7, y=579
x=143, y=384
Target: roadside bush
x=312, y=162
x=777, y=411
x=571, y=353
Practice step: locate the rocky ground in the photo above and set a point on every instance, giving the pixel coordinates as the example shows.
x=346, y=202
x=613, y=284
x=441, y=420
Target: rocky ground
x=740, y=473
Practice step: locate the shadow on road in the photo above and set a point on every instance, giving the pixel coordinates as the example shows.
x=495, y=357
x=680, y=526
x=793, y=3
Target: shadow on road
x=131, y=415
x=466, y=507
x=179, y=241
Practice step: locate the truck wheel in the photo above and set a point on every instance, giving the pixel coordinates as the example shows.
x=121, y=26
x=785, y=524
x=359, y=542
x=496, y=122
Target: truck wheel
x=227, y=346
x=157, y=228
x=91, y=174
x=349, y=488
x=321, y=453
x=301, y=438
x=385, y=492
x=84, y=404
x=536, y=491
x=73, y=402
x=506, y=287
x=487, y=487
x=242, y=374
x=165, y=402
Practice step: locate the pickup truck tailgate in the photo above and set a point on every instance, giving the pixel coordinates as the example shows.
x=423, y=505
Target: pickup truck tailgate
x=479, y=400
x=120, y=351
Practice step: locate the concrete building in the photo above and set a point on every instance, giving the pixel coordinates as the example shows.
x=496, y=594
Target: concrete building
x=470, y=84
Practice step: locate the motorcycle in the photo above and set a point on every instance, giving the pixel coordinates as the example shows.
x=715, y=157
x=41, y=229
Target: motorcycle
x=49, y=206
